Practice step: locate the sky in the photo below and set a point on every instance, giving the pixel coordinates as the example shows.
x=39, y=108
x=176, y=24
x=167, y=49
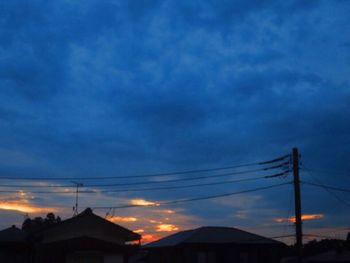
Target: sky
x=101, y=88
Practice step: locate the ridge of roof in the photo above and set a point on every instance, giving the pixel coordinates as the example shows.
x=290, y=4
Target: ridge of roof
x=171, y=240
x=212, y=234
x=13, y=234
x=89, y=213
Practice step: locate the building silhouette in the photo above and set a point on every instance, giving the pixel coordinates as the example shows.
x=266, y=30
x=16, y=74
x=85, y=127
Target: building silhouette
x=214, y=245
x=86, y=237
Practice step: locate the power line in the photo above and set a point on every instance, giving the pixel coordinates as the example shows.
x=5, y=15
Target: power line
x=195, y=198
x=346, y=190
x=283, y=236
x=327, y=188
x=327, y=172
x=195, y=185
x=145, y=175
x=345, y=229
x=276, y=159
x=50, y=192
x=320, y=236
x=138, y=183
x=152, y=188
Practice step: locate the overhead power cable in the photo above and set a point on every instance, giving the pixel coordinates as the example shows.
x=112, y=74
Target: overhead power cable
x=328, y=188
x=326, y=172
x=195, y=198
x=143, y=175
x=194, y=185
x=137, y=183
x=152, y=188
x=337, y=230
x=283, y=236
x=282, y=165
x=276, y=159
x=346, y=190
x=319, y=236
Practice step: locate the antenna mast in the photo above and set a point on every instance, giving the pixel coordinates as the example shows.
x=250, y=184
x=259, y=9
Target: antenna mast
x=75, y=208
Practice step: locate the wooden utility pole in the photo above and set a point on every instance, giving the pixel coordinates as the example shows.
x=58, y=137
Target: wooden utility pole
x=297, y=199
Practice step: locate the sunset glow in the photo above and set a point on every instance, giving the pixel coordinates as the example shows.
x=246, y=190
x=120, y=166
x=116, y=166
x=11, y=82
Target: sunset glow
x=308, y=217
x=168, y=211
x=122, y=219
x=149, y=238
x=303, y=217
x=22, y=193
x=166, y=228
x=154, y=222
x=143, y=202
x=24, y=206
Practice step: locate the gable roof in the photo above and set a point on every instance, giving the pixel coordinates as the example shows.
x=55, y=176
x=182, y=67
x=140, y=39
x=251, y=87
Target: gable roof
x=13, y=234
x=212, y=235
x=87, y=224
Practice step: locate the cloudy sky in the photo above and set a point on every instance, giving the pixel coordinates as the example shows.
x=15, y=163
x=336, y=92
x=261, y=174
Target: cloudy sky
x=101, y=88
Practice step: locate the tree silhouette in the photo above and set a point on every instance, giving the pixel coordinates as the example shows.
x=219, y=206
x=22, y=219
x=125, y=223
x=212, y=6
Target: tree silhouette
x=315, y=247
x=32, y=225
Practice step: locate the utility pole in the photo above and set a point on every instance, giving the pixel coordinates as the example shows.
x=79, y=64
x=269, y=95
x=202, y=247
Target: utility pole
x=75, y=208
x=297, y=199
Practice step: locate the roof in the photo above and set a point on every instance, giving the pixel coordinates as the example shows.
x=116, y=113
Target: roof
x=12, y=234
x=212, y=235
x=87, y=224
x=330, y=256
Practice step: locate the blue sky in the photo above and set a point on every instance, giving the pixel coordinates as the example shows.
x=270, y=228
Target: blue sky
x=105, y=88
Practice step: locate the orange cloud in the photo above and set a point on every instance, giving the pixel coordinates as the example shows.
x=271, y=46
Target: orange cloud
x=149, y=238
x=24, y=206
x=309, y=217
x=154, y=221
x=122, y=219
x=166, y=228
x=303, y=217
x=22, y=193
x=143, y=202
x=168, y=211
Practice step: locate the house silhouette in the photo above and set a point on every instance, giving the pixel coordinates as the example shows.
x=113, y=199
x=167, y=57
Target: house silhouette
x=90, y=238
x=14, y=247
x=86, y=237
x=214, y=245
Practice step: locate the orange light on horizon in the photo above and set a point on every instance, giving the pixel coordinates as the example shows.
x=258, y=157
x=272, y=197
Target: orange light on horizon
x=122, y=219
x=139, y=230
x=166, y=228
x=152, y=221
x=25, y=207
x=149, y=238
x=308, y=217
x=22, y=193
x=143, y=202
x=168, y=211
x=303, y=217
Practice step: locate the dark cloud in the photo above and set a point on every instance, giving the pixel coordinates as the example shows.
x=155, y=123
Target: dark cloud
x=109, y=87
